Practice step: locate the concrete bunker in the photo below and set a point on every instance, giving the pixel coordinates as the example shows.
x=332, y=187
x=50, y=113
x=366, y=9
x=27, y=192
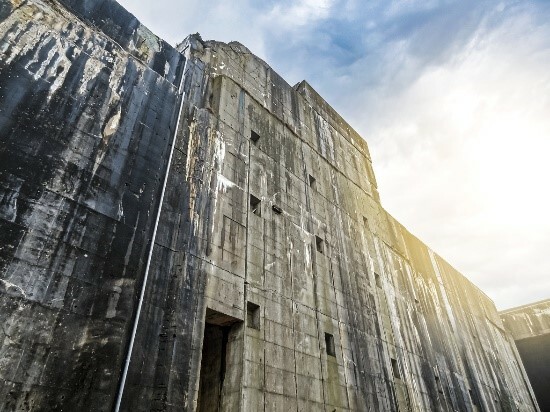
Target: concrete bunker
x=78, y=197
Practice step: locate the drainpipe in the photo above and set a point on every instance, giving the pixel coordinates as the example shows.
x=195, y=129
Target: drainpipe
x=147, y=267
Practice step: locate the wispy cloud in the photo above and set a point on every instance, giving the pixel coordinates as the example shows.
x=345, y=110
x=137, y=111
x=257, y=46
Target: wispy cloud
x=297, y=14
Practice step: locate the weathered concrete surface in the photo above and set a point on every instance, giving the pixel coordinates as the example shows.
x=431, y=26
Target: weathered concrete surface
x=272, y=243
x=85, y=125
x=529, y=325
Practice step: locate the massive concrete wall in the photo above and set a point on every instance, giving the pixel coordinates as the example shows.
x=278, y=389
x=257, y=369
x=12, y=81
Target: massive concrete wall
x=529, y=325
x=86, y=119
x=277, y=281
x=410, y=332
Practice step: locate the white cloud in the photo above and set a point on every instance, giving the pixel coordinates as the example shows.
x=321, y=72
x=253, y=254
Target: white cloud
x=401, y=7
x=461, y=159
x=173, y=20
x=301, y=13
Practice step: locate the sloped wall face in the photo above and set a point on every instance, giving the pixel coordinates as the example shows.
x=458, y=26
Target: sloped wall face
x=86, y=120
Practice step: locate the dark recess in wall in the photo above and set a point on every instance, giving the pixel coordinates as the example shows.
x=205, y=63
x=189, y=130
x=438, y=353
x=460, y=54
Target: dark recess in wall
x=535, y=354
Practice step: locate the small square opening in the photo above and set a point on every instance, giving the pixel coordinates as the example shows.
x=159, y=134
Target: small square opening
x=255, y=205
x=312, y=182
x=277, y=209
x=253, y=315
x=319, y=244
x=254, y=137
x=329, y=341
x=395, y=368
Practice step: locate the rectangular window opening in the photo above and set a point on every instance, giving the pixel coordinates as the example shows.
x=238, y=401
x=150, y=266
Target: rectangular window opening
x=319, y=244
x=277, y=209
x=254, y=137
x=253, y=315
x=312, y=182
x=329, y=341
x=255, y=205
x=395, y=368
x=366, y=223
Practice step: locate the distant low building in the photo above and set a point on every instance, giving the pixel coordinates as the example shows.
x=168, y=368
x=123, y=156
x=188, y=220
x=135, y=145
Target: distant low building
x=530, y=327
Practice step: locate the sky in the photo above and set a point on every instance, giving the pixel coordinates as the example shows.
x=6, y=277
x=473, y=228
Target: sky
x=452, y=97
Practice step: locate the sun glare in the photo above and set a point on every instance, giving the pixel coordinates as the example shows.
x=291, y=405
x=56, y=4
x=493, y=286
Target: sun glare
x=511, y=157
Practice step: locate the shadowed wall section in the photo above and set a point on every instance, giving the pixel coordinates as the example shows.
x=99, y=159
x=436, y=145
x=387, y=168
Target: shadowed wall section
x=529, y=325
x=86, y=118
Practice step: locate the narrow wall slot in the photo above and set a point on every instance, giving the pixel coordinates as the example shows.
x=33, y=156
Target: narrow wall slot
x=395, y=368
x=329, y=341
x=277, y=209
x=312, y=182
x=319, y=244
x=252, y=315
x=254, y=137
x=255, y=205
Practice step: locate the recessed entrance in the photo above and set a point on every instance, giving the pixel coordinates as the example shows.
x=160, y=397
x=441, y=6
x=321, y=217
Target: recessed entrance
x=217, y=373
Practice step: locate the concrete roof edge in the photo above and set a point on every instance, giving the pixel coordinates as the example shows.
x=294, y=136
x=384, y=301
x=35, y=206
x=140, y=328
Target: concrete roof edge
x=518, y=308
x=316, y=100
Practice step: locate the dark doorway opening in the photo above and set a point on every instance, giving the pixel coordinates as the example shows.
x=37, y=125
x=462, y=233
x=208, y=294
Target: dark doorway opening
x=217, y=372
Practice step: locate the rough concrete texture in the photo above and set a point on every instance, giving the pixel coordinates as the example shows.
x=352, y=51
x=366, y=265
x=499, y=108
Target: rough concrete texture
x=85, y=125
x=529, y=325
x=276, y=282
